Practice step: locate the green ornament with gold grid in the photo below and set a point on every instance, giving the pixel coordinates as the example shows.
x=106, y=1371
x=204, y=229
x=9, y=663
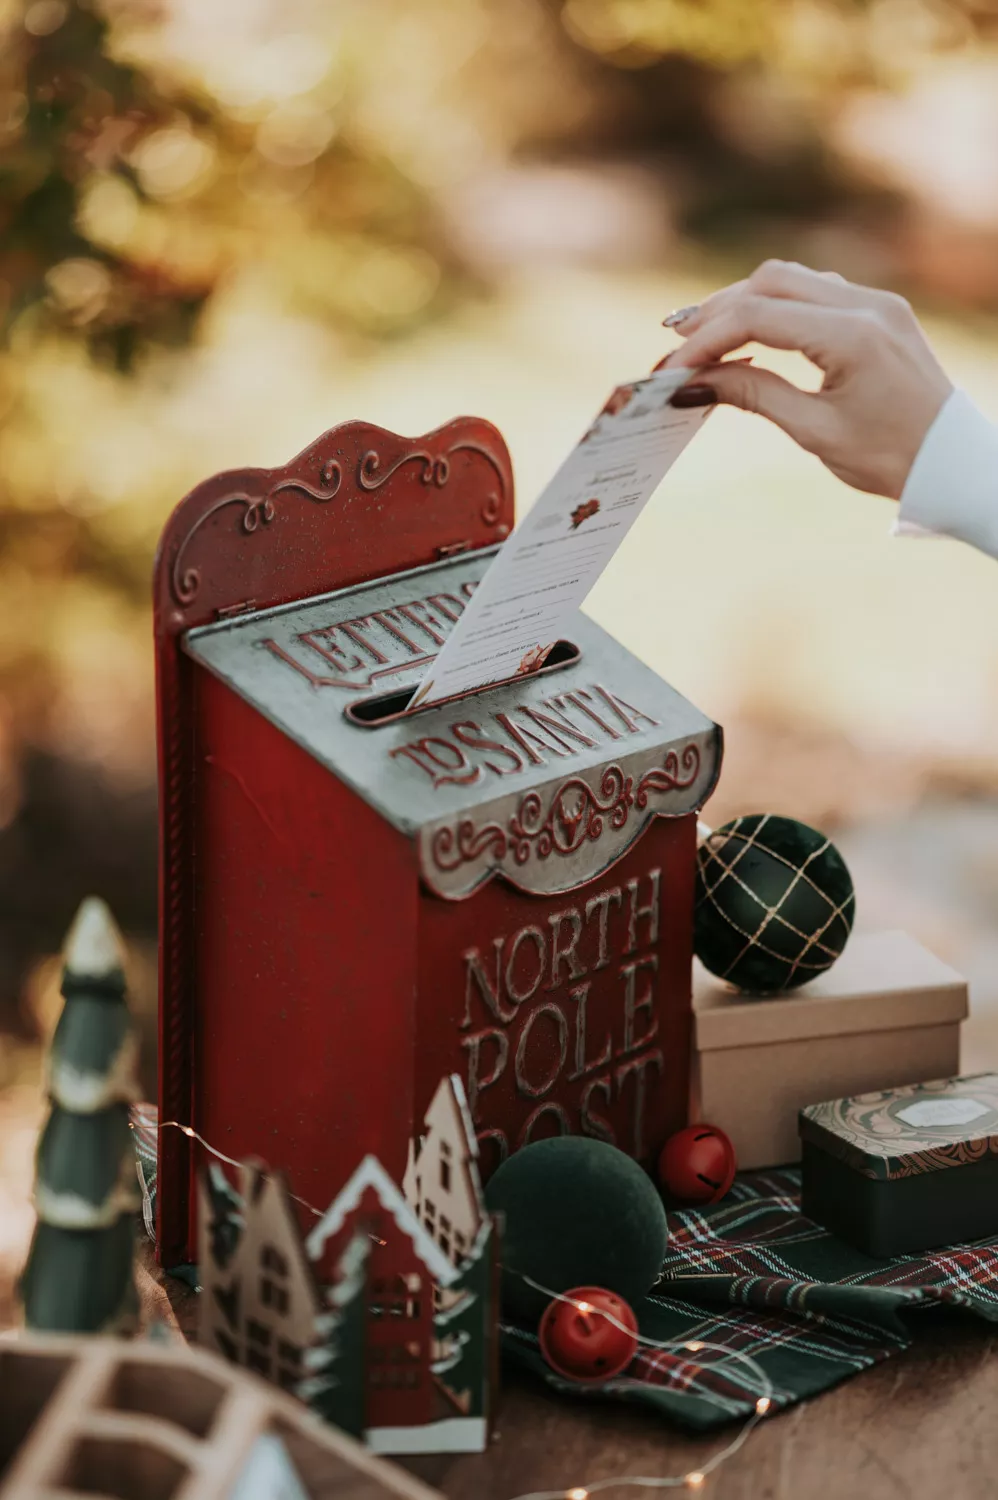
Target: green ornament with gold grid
x=774, y=903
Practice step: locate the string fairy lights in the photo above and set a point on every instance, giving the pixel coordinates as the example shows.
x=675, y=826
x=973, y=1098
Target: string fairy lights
x=231, y=1161
x=691, y=1479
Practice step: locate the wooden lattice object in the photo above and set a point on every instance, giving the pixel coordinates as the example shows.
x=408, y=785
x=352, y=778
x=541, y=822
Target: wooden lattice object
x=158, y=1421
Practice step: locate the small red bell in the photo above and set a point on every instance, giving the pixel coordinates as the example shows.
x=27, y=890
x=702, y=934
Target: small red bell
x=697, y=1165
x=582, y=1344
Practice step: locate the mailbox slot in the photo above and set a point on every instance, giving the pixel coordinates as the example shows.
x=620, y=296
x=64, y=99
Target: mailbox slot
x=385, y=708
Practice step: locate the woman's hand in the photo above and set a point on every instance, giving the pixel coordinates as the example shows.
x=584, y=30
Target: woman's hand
x=883, y=386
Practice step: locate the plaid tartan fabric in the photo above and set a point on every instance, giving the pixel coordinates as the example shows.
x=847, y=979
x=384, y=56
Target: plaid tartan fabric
x=753, y=1275
x=145, y=1134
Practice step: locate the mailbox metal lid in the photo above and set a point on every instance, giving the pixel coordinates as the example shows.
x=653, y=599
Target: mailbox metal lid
x=547, y=779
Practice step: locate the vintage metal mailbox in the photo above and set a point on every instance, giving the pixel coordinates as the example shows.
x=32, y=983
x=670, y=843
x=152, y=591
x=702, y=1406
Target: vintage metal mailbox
x=356, y=901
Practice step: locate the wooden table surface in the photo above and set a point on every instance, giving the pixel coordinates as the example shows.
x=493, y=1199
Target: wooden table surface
x=924, y=1424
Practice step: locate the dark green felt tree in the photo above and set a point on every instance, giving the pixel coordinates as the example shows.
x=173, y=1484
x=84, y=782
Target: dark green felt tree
x=335, y=1388
x=466, y=1328
x=225, y=1225
x=78, y=1278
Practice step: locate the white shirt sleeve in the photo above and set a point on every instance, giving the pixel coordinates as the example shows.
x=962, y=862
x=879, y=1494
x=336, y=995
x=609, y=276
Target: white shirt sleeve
x=952, y=489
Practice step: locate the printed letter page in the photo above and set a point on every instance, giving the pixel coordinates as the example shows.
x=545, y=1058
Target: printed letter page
x=549, y=564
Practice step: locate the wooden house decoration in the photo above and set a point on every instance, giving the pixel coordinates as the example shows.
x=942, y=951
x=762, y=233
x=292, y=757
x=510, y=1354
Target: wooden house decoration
x=147, y=1420
x=259, y=1296
x=441, y=1182
x=418, y=1398
x=385, y=1326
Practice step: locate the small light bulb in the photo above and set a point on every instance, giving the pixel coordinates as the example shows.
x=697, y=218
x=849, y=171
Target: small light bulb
x=186, y=1129
x=762, y=1405
x=584, y=1307
x=577, y=1494
x=694, y=1480
x=694, y=1346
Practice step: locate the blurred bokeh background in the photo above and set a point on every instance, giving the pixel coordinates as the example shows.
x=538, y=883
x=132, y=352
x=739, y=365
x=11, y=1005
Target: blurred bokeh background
x=226, y=225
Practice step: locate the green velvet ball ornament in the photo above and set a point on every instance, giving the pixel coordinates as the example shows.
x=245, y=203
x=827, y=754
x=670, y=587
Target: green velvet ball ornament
x=577, y=1213
x=774, y=903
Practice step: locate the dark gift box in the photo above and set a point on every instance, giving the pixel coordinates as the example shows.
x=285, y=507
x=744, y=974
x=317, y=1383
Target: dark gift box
x=904, y=1169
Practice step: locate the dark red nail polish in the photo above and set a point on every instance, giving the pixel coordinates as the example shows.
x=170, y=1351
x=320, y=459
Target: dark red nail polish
x=680, y=316
x=694, y=395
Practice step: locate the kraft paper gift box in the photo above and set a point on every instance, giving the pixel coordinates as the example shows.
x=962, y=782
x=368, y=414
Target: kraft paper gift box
x=355, y=901
x=887, y=1013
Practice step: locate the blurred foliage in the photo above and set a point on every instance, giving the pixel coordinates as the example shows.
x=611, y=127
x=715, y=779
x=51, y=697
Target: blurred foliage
x=634, y=33
x=833, y=40
x=72, y=112
x=132, y=194
x=136, y=181
x=126, y=198
x=182, y=181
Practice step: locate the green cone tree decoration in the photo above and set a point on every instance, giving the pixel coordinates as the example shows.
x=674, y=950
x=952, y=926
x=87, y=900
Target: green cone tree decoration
x=79, y=1277
x=335, y=1387
x=466, y=1328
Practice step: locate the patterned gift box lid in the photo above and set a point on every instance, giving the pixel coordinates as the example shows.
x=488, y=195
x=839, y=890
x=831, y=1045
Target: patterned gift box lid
x=906, y=1132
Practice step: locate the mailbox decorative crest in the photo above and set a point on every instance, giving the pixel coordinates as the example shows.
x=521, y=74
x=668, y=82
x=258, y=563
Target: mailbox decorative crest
x=356, y=901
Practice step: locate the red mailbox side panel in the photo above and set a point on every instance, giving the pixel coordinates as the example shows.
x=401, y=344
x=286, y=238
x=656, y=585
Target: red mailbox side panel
x=568, y=1013
x=305, y=949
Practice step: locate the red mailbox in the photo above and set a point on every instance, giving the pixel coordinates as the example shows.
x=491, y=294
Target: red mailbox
x=356, y=901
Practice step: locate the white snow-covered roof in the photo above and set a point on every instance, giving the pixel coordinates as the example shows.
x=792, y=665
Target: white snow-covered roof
x=449, y=1117
x=371, y=1174
x=461, y=1099
x=94, y=946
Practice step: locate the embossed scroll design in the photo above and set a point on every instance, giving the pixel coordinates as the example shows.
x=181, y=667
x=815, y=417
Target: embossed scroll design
x=667, y=777
x=576, y=813
x=436, y=468
x=262, y=510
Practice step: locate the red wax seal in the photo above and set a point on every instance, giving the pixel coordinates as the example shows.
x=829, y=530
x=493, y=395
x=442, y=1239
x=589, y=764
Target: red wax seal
x=579, y=1342
x=697, y=1164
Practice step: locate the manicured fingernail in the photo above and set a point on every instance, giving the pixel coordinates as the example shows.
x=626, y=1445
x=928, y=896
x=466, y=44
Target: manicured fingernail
x=694, y=395
x=680, y=315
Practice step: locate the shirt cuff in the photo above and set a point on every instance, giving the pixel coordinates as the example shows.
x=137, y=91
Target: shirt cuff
x=952, y=489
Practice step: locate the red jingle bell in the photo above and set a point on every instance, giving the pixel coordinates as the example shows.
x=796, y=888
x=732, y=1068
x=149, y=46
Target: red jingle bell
x=697, y=1165
x=590, y=1338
